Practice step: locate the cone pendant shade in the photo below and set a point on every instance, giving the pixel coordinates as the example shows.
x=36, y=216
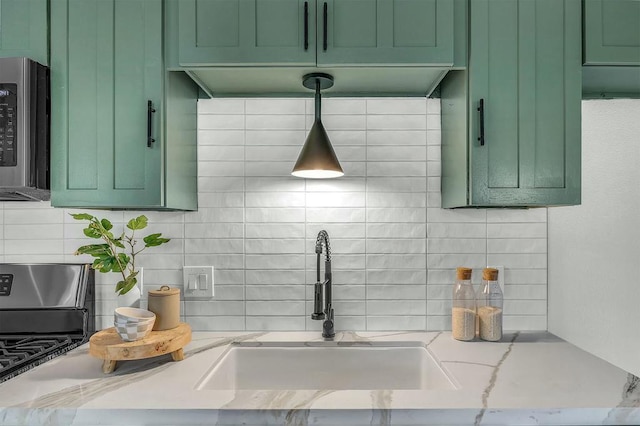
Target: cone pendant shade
x=317, y=159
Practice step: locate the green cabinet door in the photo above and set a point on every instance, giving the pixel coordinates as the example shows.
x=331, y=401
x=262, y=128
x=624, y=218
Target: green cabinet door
x=612, y=32
x=522, y=96
x=24, y=29
x=387, y=32
x=106, y=66
x=232, y=32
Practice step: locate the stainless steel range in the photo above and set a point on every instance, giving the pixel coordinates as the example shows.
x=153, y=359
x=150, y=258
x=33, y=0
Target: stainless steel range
x=45, y=311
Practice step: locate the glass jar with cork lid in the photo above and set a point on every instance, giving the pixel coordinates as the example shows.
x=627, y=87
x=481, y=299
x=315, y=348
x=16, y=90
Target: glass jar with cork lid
x=463, y=311
x=490, y=302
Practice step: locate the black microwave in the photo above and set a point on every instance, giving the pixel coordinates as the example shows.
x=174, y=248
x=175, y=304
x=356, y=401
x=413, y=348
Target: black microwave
x=24, y=130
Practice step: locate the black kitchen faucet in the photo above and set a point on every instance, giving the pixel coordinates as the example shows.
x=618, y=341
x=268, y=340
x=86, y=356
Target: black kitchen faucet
x=318, y=312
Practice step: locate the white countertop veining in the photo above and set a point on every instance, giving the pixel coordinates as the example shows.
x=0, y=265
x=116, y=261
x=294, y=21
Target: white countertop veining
x=528, y=378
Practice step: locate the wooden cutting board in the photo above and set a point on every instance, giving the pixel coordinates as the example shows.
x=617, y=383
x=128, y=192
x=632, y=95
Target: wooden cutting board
x=107, y=345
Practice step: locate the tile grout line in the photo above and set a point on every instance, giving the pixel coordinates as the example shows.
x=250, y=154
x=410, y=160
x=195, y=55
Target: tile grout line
x=244, y=212
x=426, y=219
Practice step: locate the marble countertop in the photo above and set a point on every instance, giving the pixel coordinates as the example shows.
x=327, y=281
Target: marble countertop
x=527, y=378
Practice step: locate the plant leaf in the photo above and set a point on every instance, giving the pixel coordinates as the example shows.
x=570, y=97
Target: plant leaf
x=118, y=243
x=95, y=250
x=139, y=222
x=92, y=233
x=128, y=284
x=81, y=216
x=106, y=224
x=153, y=240
x=124, y=259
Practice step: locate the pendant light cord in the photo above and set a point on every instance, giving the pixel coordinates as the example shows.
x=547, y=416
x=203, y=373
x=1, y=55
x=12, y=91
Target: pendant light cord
x=317, y=99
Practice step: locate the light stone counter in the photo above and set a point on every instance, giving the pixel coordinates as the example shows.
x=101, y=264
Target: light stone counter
x=528, y=378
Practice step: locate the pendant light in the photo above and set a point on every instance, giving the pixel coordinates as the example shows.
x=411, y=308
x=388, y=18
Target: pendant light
x=317, y=158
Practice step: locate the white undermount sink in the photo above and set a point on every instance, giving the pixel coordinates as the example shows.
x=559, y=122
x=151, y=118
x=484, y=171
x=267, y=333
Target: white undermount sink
x=326, y=365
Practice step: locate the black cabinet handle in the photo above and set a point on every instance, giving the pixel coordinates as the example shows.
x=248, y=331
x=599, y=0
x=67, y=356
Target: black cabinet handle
x=324, y=27
x=481, y=110
x=150, y=111
x=306, y=25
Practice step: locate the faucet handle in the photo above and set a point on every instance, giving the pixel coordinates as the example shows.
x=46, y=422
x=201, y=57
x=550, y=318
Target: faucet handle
x=318, y=313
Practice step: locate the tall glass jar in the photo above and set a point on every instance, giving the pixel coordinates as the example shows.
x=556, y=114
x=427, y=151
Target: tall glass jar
x=490, y=302
x=463, y=311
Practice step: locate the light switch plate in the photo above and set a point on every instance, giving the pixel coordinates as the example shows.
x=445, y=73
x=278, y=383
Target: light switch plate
x=500, y=276
x=198, y=282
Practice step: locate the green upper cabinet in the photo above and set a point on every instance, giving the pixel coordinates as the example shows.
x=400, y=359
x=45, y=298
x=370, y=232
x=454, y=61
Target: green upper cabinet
x=229, y=32
x=612, y=32
x=611, y=48
x=306, y=33
x=110, y=98
x=521, y=100
x=370, y=32
x=24, y=29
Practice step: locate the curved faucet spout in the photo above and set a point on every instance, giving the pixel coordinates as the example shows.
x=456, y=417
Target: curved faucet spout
x=326, y=313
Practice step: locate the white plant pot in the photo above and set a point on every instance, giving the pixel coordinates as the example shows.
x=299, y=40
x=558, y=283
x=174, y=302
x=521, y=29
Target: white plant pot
x=132, y=297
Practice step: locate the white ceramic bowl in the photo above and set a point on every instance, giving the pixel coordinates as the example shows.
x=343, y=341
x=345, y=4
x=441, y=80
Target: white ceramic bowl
x=133, y=323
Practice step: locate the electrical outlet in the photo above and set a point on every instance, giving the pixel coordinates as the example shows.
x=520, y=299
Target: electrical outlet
x=198, y=282
x=500, y=276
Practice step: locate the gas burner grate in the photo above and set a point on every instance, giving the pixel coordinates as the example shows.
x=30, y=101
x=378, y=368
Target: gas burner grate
x=18, y=354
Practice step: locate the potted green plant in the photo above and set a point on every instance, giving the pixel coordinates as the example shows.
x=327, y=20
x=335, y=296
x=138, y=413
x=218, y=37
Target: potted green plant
x=117, y=253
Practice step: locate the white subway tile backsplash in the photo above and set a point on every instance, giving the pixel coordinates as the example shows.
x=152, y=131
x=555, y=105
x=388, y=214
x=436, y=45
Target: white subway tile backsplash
x=34, y=232
x=456, y=245
x=275, y=199
x=275, y=122
x=221, y=106
x=275, y=323
x=275, y=307
x=339, y=199
x=274, y=184
x=517, y=245
x=272, y=138
x=402, y=215
x=270, y=230
x=274, y=246
x=275, y=215
x=402, y=106
x=396, y=153
x=272, y=277
x=335, y=106
x=344, y=184
x=399, y=122
x=402, y=322
x=262, y=293
x=396, y=230
x=273, y=106
x=397, y=137
x=221, y=122
x=396, y=184
x=396, y=261
x=268, y=168
x=517, y=230
x=220, y=184
x=213, y=230
x=327, y=215
x=220, y=153
x=394, y=250
x=279, y=261
x=271, y=153
x=396, y=168
x=408, y=246
x=220, y=137
x=396, y=276
x=396, y=291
